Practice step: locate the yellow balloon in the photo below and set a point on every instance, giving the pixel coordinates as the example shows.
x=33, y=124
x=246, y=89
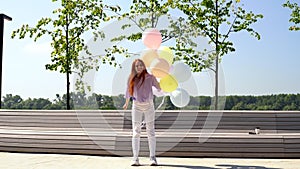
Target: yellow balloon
x=166, y=53
x=168, y=83
x=148, y=56
x=160, y=67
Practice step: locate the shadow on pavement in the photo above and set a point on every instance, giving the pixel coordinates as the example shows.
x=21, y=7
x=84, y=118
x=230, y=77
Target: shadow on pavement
x=230, y=166
x=185, y=166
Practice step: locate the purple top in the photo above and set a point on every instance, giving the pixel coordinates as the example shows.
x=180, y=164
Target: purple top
x=143, y=93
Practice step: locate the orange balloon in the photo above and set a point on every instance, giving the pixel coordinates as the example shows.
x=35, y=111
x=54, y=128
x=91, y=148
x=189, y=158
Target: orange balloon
x=160, y=67
x=148, y=56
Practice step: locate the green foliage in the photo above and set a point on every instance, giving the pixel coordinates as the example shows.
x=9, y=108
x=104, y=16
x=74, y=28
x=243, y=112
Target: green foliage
x=11, y=102
x=16, y=102
x=39, y=103
x=295, y=14
x=216, y=20
x=104, y=102
x=73, y=19
x=267, y=102
x=147, y=14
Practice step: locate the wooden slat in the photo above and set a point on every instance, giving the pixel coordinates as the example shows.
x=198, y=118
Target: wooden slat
x=85, y=131
x=56, y=150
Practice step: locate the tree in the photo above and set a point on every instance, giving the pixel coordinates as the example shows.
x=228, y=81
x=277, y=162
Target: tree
x=74, y=19
x=216, y=20
x=146, y=14
x=119, y=101
x=106, y=103
x=38, y=104
x=12, y=102
x=295, y=15
x=60, y=102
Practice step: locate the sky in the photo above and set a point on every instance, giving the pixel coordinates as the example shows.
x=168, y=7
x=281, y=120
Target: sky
x=257, y=67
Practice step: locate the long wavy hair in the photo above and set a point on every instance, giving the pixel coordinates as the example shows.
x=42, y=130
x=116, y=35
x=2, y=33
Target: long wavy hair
x=134, y=75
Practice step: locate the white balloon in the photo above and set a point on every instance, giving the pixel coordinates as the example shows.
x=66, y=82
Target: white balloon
x=180, y=97
x=181, y=71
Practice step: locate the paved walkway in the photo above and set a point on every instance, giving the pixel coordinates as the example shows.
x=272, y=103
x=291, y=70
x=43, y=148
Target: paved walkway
x=57, y=161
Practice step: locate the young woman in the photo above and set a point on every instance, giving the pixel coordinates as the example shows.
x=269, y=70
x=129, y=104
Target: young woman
x=139, y=88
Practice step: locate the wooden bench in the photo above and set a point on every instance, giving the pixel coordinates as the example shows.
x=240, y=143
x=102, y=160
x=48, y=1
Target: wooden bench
x=179, y=133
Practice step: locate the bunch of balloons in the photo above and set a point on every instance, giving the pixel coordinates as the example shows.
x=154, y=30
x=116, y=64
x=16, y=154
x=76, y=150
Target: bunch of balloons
x=159, y=60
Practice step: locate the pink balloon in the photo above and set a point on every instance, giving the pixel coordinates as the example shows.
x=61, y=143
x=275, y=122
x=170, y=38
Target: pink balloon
x=152, y=38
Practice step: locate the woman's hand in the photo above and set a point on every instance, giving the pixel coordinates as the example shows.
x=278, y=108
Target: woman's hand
x=125, y=106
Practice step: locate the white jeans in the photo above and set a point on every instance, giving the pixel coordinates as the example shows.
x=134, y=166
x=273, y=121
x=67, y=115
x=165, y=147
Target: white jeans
x=138, y=110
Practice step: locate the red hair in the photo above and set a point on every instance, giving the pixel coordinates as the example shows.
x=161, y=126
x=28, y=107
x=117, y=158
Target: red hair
x=133, y=75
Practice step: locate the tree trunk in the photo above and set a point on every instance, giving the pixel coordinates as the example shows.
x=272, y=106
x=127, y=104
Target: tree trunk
x=217, y=60
x=216, y=83
x=67, y=66
x=68, y=91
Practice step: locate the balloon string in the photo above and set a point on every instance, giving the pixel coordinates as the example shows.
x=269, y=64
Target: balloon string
x=162, y=102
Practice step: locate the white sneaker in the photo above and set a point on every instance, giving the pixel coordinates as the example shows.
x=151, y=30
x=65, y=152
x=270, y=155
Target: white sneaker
x=143, y=125
x=153, y=161
x=135, y=162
